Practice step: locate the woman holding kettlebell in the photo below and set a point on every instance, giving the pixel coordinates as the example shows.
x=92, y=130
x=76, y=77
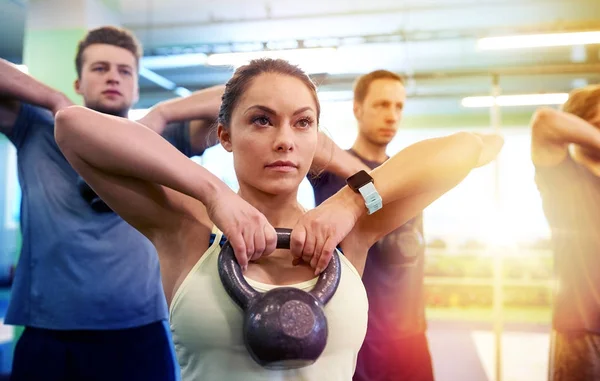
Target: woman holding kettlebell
x=269, y=121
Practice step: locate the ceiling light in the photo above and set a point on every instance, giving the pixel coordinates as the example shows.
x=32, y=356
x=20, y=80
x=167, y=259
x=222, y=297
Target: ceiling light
x=539, y=40
x=516, y=100
x=317, y=60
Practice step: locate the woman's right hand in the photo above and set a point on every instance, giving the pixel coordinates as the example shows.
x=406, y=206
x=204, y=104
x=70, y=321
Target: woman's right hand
x=248, y=230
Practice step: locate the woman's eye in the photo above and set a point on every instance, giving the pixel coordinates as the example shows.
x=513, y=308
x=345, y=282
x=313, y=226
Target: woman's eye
x=304, y=123
x=261, y=121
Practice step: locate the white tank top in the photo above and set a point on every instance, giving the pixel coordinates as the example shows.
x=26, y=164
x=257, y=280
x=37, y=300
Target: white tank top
x=207, y=328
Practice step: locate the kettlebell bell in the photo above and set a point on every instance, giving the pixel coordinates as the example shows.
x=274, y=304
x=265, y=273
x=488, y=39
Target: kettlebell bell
x=91, y=197
x=284, y=328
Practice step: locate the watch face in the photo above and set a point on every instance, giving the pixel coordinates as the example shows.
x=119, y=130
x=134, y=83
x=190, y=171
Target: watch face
x=359, y=179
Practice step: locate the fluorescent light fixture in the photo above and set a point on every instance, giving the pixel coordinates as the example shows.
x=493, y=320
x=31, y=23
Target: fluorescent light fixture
x=157, y=79
x=281, y=45
x=516, y=100
x=317, y=60
x=163, y=82
x=322, y=42
x=23, y=68
x=539, y=40
x=137, y=113
x=174, y=61
x=182, y=92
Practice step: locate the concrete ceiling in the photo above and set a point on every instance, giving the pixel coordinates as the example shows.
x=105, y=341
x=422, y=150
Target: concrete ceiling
x=431, y=42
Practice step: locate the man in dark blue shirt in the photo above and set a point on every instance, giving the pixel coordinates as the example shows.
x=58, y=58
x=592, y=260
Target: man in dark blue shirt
x=87, y=286
x=395, y=347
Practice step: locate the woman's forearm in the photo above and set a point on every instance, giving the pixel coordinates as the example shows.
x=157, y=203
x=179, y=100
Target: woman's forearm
x=123, y=147
x=427, y=166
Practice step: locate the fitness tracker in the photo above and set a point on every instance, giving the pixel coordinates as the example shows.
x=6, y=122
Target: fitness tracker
x=361, y=182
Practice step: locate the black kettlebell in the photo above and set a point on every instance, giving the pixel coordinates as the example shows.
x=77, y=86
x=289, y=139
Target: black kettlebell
x=91, y=197
x=284, y=328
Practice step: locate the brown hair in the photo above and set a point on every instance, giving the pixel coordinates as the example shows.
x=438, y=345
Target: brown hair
x=109, y=35
x=244, y=75
x=361, y=86
x=583, y=102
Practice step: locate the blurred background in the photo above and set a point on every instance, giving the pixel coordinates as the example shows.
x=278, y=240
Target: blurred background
x=488, y=261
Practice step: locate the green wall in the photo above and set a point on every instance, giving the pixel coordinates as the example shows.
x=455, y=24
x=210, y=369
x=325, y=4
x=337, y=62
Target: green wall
x=50, y=58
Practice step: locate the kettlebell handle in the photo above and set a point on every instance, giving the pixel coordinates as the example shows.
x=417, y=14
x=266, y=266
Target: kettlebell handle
x=243, y=294
x=284, y=237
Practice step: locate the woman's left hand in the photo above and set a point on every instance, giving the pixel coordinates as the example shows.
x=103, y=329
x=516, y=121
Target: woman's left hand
x=320, y=230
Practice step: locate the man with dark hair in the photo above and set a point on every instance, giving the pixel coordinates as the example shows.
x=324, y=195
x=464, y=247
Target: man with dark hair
x=87, y=286
x=108, y=35
x=395, y=347
x=565, y=149
x=93, y=59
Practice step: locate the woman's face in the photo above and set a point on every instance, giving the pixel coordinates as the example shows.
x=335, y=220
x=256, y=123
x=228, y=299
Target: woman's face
x=273, y=134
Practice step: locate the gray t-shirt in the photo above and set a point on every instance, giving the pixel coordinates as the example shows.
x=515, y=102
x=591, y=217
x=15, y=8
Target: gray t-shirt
x=570, y=198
